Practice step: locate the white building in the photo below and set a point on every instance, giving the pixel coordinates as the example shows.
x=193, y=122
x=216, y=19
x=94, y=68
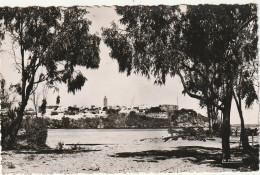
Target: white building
x=167, y=107
x=158, y=115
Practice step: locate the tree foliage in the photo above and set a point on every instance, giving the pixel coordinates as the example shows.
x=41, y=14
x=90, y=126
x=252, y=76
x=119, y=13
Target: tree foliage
x=1, y=29
x=5, y=101
x=154, y=110
x=197, y=44
x=55, y=38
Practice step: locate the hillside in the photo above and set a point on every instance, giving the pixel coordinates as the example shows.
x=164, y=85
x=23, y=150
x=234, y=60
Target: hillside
x=188, y=118
x=180, y=118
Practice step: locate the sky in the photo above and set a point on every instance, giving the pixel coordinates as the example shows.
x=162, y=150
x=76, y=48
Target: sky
x=119, y=88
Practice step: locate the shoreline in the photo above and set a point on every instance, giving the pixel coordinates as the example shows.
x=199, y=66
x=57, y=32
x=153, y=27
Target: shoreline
x=109, y=128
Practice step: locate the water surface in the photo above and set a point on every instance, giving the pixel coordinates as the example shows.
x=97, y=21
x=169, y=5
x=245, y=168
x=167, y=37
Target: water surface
x=101, y=136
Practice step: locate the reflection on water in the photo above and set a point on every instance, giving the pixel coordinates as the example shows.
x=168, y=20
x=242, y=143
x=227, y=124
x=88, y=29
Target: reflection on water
x=101, y=136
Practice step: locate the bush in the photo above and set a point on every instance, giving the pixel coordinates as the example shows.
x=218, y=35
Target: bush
x=6, y=132
x=193, y=134
x=189, y=131
x=112, y=111
x=60, y=146
x=36, y=132
x=65, y=122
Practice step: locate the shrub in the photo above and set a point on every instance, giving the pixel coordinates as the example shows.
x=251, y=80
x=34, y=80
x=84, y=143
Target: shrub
x=36, y=132
x=193, y=134
x=65, y=122
x=189, y=131
x=112, y=111
x=6, y=132
x=60, y=146
x=76, y=147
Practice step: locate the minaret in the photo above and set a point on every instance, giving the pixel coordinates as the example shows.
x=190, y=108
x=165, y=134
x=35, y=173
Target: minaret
x=177, y=103
x=105, y=101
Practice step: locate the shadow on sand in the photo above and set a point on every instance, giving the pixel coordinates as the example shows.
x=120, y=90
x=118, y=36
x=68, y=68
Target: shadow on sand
x=51, y=151
x=199, y=155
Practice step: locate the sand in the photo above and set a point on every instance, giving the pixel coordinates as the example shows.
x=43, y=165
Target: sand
x=106, y=159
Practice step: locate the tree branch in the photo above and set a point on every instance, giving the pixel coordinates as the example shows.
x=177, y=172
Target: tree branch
x=245, y=24
x=186, y=89
x=199, y=97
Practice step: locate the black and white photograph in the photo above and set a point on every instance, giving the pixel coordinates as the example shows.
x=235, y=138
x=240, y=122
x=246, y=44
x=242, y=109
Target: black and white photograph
x=129, y=87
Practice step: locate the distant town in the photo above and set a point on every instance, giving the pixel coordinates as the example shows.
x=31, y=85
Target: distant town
x=93, y=111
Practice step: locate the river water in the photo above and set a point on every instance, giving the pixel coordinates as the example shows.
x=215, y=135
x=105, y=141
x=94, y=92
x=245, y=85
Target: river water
x=101, y=136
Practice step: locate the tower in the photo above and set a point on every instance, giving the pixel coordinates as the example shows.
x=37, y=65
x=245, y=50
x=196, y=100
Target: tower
x=105, y=101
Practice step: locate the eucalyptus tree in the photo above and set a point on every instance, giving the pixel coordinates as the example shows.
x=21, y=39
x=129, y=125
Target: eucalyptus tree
x=244, y=90
x=247, y=75
x=52, y=42
x=6, y=102
x=193, y=42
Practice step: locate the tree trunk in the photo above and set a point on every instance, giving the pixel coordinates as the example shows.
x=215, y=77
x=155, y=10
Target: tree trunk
x=243, y=136
x=14, y=130
x=209, y=118
x=225, y=129
x=214, y=115
x=16, y=124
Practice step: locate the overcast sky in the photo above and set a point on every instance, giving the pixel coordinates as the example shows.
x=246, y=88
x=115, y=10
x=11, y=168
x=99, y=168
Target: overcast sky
x=119, y=89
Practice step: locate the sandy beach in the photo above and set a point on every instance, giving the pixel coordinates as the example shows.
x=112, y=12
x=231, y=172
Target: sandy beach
x=146, y=155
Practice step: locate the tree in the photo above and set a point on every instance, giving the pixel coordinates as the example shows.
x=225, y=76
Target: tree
x=5, y=102
x=155, y=110
x=2, y=32
x=65, y=122
x=52, y=42
x=8, y=100
x=212, y=116
x=111, y=111
x=247, y=74
x=58, y=100
x=195, y=43
x=35, y=99
x=43, y=106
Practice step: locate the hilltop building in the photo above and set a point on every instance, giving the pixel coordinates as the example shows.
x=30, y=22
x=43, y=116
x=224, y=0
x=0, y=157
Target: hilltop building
x=170, y=108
